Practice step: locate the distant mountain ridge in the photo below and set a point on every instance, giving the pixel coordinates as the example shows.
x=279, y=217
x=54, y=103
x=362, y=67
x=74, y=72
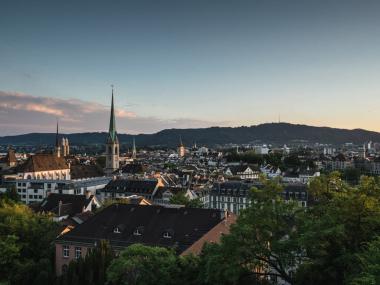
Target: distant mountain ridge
x=277, y=133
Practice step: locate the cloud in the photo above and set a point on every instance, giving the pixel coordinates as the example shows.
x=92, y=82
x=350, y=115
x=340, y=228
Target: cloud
x=24, y=113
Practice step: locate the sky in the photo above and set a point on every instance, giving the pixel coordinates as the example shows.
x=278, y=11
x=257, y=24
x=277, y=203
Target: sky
x=188, y=64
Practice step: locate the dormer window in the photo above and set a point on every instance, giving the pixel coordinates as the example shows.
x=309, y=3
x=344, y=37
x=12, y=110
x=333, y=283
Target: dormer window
x=116, y=230
x=167, y=234
x=138, y=231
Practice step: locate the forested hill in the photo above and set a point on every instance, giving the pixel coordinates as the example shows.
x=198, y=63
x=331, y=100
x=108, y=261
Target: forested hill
x=278, y=133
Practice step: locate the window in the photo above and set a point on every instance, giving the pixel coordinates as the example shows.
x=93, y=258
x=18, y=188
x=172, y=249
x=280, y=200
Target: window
x=30, y=196
x=137, y=232
x=117, y=230
x=167, y=235
x=78, y=252
x=64, y=268
x=35, y=191
x=66, y=251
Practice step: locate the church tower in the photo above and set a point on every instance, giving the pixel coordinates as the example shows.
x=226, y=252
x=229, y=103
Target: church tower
x=57, y=149
x=112, y=144
x=181, y=148
x=134, y=153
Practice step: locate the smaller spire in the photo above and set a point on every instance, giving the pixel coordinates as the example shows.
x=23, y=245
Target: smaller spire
x=180, y=141
x=57, y=137
x=134, y=148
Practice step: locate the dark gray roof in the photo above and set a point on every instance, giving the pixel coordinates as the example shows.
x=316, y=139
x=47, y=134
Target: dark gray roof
x=186, y=225
x=71, y=204
x=131, y=186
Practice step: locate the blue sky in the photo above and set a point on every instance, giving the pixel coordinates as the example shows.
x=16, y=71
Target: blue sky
x=188, y=64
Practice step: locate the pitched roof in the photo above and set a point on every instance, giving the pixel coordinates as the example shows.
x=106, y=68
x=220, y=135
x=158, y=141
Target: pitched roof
x=78, y=171
x=44, y=162
x=185, y=225
x=71, y=204
x=131, y=186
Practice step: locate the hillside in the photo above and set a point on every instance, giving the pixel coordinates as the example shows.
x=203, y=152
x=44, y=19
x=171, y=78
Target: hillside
x=278, y=133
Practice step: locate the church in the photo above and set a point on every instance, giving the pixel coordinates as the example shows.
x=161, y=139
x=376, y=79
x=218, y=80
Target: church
x=112, y=144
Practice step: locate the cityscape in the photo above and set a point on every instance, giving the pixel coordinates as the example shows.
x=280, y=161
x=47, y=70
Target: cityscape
x=175, y=170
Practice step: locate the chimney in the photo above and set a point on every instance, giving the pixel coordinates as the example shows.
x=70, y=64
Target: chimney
x=88, y=194
x=59, y=207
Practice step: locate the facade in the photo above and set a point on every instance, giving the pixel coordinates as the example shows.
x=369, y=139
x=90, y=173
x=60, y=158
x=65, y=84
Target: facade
x=44, y=167
x=183, y=229
x=65, y=148
x=230, y=196
x=243, y=172
x=233, y=196
x=122, y=188
x=35, y=190
x=181, y=149
x=8, y=161
x=112, y=144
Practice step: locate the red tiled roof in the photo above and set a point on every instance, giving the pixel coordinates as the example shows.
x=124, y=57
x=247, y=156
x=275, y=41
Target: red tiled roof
x=44, y=162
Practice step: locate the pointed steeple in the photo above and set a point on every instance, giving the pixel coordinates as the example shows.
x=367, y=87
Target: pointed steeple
x=57, y=137
x=112, y=128
x=134, y=148
x=180, y=141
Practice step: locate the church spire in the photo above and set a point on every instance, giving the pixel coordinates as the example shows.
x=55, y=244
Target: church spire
x=57, y=137
x=112, y=128
x=57, y=146
x=134, y=148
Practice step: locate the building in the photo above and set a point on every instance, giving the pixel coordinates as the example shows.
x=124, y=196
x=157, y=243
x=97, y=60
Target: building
x=242, y=171
x=44, y=166
x=230, y=196
x=35, y=190
x=63, y=206
x=122, y=188
x=233, y=196
x=185, y=230
x=112, y=144
x=65, y=148
x=181, y=149
x=8, y=161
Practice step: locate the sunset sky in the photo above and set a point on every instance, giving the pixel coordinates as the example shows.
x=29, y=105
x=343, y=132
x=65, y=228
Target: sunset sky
x=179, y=64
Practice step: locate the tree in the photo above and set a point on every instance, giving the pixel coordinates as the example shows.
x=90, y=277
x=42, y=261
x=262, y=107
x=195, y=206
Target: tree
x=336, y=228
x=91, y=269
x=27, y=251
x=139, y=264
x=180, y=198
x=262, y=244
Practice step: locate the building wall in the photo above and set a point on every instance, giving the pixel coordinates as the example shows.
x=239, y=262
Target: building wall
x=60, y=260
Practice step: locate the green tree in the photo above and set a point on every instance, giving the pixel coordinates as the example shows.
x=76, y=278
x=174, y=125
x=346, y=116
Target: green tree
x=336, y=228
x=26, y=240
x=139, y=264
x=180, y=198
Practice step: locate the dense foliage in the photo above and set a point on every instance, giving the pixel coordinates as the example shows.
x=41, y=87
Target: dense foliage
x=26, y=248
x=180, y=198
x=335, y=240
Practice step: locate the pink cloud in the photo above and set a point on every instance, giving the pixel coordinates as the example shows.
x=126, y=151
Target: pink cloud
x=23, y=113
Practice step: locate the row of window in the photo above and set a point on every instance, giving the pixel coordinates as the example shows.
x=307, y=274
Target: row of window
x=77, y=251
x=32, y=196
x=227, y=199
x=139, y=231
